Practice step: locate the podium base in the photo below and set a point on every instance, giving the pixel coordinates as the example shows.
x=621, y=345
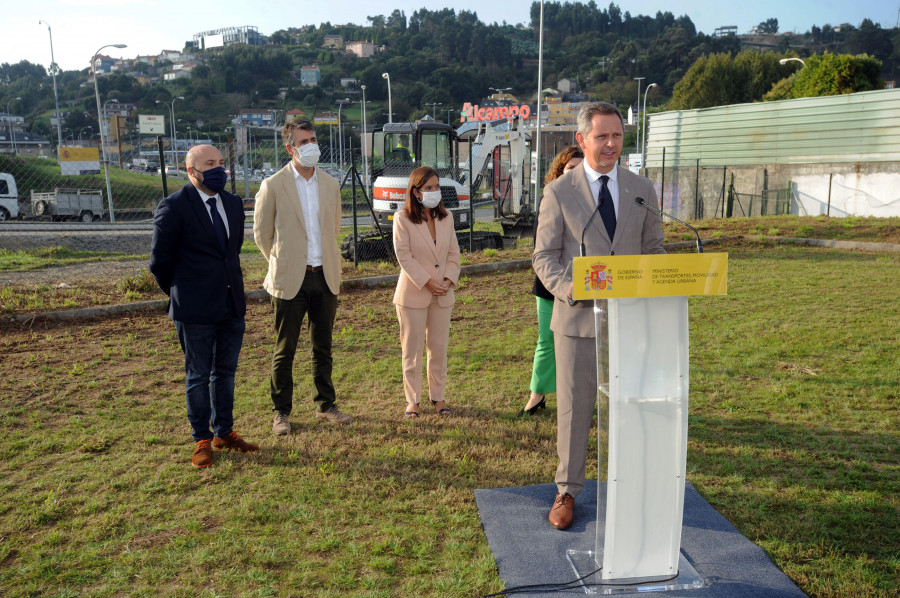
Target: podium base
x=584, y=563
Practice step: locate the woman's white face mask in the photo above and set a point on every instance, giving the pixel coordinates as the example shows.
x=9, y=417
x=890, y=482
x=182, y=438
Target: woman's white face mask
x=430, y=199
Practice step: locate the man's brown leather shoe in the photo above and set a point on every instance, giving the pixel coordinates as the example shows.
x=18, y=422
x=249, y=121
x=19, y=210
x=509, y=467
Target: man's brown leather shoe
x=234, y=442
x=561, y=513
x=202, y=456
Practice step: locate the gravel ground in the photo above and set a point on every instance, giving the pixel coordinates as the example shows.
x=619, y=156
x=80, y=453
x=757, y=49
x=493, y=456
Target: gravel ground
x=127, y=242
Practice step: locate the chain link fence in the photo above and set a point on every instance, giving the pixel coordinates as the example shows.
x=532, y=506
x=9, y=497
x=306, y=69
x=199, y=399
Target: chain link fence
x=697, y=192
x=58, y=250
x=56, y=255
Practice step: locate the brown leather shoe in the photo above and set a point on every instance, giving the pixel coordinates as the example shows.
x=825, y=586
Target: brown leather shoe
x=202, y=456
x=234, y=442
x=562, y=511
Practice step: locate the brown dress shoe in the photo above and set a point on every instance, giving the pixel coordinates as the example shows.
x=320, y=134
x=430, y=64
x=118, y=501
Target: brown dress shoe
x=202, y=456
x=234, y=442
x=561, y=513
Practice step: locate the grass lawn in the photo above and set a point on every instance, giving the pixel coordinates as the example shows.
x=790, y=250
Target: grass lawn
x=793, y=437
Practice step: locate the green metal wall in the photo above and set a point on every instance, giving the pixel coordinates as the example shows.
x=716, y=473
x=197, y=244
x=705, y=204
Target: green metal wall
x=859, y=127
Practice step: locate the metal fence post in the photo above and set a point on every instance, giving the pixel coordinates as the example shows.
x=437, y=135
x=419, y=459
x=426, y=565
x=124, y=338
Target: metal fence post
x=697, y=210
x=355, y=226
x=162, y=166
x=722, y=192
x=828, y=210
x=471, y=200
x=730, y=207
x=230, y=150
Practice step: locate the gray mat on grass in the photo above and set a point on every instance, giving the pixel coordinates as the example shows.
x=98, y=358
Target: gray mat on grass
x=528, y=550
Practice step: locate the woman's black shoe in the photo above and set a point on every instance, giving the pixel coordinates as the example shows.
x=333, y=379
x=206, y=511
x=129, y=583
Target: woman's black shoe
x=541, y=405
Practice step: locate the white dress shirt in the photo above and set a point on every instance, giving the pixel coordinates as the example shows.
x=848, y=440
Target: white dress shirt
x=219, y=207
x=309, y=202
x=612, y=184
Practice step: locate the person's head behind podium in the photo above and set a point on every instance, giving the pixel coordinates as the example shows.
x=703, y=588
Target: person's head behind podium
x=564, y=161
x=601, y=130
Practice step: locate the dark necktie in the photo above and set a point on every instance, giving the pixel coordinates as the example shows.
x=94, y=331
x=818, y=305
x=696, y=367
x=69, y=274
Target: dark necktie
x=607, y=209
x=218, y=224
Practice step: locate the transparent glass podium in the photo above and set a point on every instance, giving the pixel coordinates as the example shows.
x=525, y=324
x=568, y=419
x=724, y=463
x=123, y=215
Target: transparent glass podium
x=642, y=412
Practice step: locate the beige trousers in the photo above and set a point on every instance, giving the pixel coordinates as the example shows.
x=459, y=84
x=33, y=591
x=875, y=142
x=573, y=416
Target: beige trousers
x=576, y=400
x=419, y=328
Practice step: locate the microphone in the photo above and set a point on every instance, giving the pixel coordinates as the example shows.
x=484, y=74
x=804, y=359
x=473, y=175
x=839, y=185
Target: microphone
x=571, y=301
x=586, y=226
x=641, y=201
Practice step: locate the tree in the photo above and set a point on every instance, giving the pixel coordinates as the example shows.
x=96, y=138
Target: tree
x=768, y=27
x=830, y=75
x=719, y=79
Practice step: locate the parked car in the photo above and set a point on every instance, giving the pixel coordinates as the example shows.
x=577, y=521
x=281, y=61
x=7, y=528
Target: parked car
x=9, y=197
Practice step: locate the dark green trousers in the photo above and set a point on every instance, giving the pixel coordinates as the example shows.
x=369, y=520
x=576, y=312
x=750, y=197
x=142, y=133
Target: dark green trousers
x=317, y=301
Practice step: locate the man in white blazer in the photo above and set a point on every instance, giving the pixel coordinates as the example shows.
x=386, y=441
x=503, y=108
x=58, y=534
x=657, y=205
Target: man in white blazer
x=620, y=227
x=296, y=224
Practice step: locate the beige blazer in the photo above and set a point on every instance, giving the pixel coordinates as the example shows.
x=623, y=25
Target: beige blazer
x=280, y=232
x=422, y=259
x=565, y=209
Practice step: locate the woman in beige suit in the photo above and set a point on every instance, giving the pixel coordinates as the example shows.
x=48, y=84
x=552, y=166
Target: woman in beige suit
x=428, y=253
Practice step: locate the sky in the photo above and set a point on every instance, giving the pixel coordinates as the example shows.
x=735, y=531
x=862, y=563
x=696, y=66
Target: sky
x=81, y=27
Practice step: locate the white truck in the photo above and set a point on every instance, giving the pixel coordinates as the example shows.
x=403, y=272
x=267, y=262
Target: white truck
x=9, y=197
x=82, y=204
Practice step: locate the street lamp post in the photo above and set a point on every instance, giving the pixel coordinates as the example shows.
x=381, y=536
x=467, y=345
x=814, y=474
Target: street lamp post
x=341, y=133
x=9, y=122
x=80, y=142
x=390, y=109
x=787, y=60
x=637, y=136
x=53, y=69
x=364, y=148
x=275, y=165
x=644, y=128
x=434, y=106
x=112, y=214
x=174, y=131
x=500, y=90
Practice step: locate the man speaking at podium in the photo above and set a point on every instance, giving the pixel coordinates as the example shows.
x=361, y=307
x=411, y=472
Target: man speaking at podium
x=587, y=211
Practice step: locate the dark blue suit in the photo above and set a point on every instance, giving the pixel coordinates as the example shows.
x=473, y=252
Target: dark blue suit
x=206, y=300
x=187, y=262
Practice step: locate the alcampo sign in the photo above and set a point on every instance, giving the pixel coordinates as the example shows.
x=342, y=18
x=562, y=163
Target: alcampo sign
x=476, y=113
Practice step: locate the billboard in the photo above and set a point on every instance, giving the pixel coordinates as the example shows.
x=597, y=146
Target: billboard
x=79, y=160
x=151, y=124
x=326, y=119
x=213, y=41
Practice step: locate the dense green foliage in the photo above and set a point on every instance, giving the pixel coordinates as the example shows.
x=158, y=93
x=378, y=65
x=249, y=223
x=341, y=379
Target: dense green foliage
x=448, y=57
x=830, y=75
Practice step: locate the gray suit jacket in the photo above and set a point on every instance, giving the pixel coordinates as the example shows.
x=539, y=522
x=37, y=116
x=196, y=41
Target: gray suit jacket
x=565, y=209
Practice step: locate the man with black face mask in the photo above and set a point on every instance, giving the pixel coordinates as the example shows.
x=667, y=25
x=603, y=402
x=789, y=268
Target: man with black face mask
x=195, y=258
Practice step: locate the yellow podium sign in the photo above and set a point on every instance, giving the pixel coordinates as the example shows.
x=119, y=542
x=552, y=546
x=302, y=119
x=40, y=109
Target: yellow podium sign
x=658, y=275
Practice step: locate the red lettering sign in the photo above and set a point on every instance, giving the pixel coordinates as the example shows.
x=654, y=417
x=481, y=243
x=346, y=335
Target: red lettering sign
x=476, y=113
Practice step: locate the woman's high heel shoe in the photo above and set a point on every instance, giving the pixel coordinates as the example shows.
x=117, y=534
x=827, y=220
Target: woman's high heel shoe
x=542, y=404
